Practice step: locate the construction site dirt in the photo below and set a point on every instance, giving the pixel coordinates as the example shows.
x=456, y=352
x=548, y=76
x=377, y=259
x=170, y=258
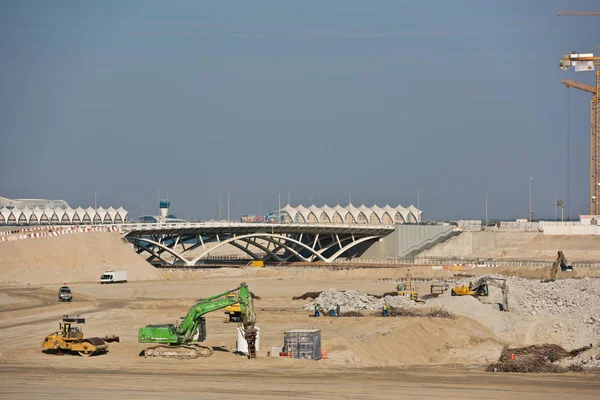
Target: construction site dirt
x=368, y=356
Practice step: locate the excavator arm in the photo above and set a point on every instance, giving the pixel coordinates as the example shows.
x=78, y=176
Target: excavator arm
x=184, y=332
x=497, y=282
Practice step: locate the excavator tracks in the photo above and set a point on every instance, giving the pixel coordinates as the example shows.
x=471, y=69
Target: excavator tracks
x=183, y=352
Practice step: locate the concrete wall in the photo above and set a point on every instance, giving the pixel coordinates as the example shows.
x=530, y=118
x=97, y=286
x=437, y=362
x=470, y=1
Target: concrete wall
x=572, y=230
x=479, y=244
x=405, y=238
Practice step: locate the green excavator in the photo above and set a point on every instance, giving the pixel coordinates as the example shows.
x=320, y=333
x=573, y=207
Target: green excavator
x=181, y=340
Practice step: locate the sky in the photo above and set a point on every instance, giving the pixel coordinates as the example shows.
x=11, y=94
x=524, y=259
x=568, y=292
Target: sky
x=387, y=100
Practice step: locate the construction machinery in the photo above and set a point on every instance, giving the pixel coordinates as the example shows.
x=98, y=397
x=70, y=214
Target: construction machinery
x=69, y=338
x=181, y=340
x=588, y=62
x=406, y=289
x=438, y=288
x=233, y=313
x=561, y=261
x=480, y=288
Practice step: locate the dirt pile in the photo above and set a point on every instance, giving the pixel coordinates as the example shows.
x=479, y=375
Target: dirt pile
x=575, y=247
x=411, y=341
x=353, y=300
x=71, y=258
x=539, y=358
x=587, y=359
x=307, y=295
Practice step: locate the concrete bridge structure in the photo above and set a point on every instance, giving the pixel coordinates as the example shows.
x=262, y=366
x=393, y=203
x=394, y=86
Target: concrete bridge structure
x=190, y=244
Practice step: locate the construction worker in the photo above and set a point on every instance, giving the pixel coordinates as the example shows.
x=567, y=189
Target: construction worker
x=385, y=310
x=337, y=310
x=317, y=308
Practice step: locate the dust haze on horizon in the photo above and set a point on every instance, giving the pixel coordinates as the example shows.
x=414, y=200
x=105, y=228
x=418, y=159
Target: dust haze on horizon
x=317, y=98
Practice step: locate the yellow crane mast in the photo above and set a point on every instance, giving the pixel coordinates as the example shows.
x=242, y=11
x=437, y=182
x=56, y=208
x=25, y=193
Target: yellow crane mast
x=589, y=62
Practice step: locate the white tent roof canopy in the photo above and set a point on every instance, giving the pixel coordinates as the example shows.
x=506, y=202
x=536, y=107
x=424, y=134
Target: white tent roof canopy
x=48, y=213
x=380, y=212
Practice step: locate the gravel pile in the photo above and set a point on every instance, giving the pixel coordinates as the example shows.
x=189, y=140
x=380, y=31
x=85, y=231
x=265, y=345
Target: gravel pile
x=353, y=300
x=562, y=297
x=573, y=306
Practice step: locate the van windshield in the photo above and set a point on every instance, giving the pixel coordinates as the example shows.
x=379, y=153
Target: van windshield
x=65, y=290
x=106, y=277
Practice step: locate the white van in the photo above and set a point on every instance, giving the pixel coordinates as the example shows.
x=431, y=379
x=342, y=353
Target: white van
x=113, y=277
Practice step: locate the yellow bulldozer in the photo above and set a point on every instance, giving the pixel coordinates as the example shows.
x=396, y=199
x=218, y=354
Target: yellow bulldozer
x=69, y=338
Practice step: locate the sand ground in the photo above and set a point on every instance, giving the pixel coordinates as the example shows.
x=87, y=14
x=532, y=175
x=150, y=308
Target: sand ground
x=370, y=357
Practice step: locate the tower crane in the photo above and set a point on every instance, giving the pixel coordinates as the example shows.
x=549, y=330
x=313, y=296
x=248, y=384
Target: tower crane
x=589, y=62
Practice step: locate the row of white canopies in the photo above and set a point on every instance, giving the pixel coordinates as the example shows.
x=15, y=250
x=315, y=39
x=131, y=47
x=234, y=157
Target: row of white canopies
x=351, y=214
x=62, y=216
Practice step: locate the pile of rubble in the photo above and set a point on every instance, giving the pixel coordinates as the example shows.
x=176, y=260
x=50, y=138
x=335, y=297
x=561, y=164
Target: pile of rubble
x=353, y=300
x=562, y=297
x=566, y=296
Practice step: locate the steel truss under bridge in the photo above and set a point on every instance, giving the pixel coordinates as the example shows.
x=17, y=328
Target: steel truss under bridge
x=190, y=244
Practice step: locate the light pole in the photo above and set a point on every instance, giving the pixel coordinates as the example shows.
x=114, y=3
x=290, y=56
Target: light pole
x=95, y=200
x=220, y=208
x=561, y=204
x=486, y=210
x=228, y=204
x=555, y=205
x=530, y=214
x=349, y=198
x=278, y=207
x=418, y=205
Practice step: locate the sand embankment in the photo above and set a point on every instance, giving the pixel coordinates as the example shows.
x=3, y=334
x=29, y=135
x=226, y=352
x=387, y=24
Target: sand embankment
x=70, y=258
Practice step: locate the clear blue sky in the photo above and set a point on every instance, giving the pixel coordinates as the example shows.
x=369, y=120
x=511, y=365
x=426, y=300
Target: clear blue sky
x=378, y=98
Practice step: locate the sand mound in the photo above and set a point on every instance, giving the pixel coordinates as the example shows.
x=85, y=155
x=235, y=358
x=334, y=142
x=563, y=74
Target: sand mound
x=575, y=247
x=414, y=342
x=72, y=258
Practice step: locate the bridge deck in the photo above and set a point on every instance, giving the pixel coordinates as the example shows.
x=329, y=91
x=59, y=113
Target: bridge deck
x=246, y=228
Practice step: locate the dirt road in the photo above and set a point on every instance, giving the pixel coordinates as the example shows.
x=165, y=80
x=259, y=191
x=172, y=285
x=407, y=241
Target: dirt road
x=189, y=381
x=369, y=357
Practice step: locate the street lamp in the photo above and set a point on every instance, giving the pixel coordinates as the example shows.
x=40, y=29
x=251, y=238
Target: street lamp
x=486, y=210
x=349, y=198
x=530, y=214
x=228, y=207
x=418, y=205
x=279, y=203
x=220, y=207
x=561, y=204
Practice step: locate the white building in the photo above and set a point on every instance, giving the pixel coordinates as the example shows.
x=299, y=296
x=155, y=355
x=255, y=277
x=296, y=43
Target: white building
x=350, y=214
x=56, y=212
